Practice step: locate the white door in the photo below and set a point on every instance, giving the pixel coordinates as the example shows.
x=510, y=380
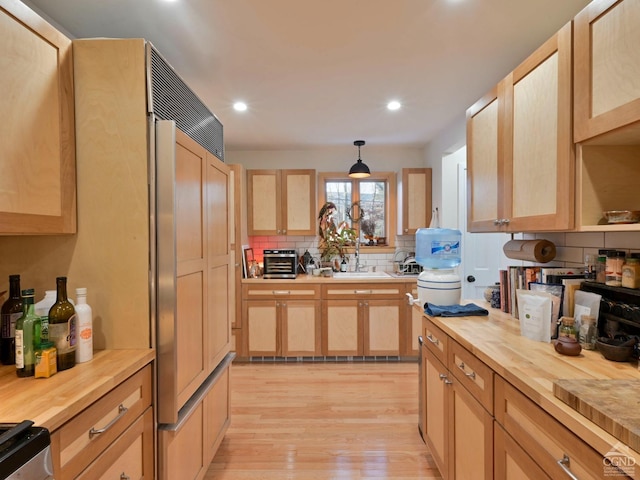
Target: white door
x=482, y=256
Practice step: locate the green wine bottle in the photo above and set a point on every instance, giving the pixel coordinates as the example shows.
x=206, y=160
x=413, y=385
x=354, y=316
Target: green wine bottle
x=62, y=326
x=9, y=313
x=28, y=331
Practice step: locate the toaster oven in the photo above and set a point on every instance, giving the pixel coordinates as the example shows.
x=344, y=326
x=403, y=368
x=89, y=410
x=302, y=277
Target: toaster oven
x=280, y=263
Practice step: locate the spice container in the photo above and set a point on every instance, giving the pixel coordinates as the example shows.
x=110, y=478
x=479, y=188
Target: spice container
x=631, y=271
x=615, y=260
x=587, y=335
x=601, y=266
x=45, y=360
x=567, y=328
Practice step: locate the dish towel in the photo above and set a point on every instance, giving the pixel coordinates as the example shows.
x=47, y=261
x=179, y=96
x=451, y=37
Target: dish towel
x=468, y=310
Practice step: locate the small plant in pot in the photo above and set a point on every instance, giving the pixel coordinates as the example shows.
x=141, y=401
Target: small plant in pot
x=368, y=228
x=334, y=239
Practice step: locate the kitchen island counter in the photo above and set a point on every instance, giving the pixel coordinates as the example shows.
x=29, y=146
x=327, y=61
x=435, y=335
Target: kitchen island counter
x=50, y=402
x=532, y=368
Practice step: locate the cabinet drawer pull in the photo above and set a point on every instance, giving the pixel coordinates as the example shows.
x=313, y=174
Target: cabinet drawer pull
x=565, y=464
x=442, y=376
x=281, y=292
x=435, y=341
x=363, y=292
x=122, y=410
x=124, y=476
x=471, y=375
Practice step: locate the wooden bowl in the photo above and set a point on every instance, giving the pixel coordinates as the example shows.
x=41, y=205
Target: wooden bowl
x=615, y=350
x=622, y=216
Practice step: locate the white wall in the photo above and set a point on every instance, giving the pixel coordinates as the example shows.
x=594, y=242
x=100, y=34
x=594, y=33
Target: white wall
x=331, y=159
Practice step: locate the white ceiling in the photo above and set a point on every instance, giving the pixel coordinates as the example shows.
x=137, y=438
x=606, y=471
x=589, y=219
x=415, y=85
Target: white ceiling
x=320, y=72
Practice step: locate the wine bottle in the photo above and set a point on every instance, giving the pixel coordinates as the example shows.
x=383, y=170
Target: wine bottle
x=62, y=327
x=84, y=350
x=28, y=331
x=9, y=313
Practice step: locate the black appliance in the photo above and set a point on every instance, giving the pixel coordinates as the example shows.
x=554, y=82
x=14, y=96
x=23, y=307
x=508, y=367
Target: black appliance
x=282, y=263
x=25, y=452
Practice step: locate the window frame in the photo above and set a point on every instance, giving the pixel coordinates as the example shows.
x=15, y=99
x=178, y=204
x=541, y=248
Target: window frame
x=390, y=202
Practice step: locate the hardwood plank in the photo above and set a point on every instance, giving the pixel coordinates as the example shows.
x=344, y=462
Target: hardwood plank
x=319, y=421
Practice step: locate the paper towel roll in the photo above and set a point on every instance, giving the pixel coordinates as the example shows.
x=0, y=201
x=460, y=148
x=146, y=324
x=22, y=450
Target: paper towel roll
x=541, y=251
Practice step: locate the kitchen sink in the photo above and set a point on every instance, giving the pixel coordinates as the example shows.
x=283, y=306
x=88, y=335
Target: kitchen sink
x=348, y=275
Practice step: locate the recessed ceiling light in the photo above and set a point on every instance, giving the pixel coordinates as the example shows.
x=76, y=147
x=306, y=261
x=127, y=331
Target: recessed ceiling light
x=394, y=105
x=239, y=106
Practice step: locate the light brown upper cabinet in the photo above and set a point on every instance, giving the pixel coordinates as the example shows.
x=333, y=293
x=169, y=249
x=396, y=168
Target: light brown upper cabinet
x=416, y=200
x=607, y=67
x=281, y=202
x=520, y=158
x=37, y=146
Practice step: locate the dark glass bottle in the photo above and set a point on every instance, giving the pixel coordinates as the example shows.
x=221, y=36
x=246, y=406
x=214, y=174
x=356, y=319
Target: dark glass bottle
x=28, y=332
x=62, y=326
x=10, y=312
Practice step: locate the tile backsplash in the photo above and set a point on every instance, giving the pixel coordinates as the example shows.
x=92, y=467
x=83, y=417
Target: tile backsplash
x=405, y=244
x=571, y=247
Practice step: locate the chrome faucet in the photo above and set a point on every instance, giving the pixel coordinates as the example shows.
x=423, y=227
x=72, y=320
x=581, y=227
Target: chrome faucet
x=357, y=254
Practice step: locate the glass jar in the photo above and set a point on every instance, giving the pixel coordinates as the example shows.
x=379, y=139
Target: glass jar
x=587, y=334
x=631, y=272
x=567, y=328
x=601, y=266
x=615, y=260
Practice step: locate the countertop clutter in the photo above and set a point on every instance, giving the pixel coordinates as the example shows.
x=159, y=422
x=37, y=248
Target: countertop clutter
x=534, y=368
x=50, y=402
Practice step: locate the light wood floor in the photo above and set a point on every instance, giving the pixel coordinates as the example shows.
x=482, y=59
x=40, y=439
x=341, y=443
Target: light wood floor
x=323, y=421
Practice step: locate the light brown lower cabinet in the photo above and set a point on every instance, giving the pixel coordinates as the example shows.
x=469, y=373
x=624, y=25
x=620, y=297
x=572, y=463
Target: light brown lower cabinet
x=459, y=427
x=552, y=446
x=511, y=461
x=282, y=321
x=113, y=435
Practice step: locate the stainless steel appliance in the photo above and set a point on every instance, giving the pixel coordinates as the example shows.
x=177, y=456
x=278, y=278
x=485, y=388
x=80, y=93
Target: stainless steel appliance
x=280, y=263
x=25, y=452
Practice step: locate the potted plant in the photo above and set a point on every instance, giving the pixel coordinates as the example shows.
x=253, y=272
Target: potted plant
x=368, y=228
x=334, y=239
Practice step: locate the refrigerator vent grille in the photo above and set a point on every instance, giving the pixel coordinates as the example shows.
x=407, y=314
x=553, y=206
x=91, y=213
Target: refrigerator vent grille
x=173, y=100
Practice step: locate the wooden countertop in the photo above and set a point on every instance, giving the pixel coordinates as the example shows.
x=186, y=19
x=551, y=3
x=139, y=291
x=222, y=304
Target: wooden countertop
x=307, y=279
x=532, y=367
x=50, y=402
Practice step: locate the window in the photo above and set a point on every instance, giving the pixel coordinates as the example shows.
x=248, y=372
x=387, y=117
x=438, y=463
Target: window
x=366, y=204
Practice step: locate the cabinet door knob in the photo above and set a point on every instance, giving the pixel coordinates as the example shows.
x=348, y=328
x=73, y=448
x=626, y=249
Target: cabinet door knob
x=505, y=221
x=497, y=221
x=406, y=230
x=471, y=278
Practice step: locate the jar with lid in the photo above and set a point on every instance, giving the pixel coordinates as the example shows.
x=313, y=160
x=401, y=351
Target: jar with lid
x=601, y=266
x=615, y=260
x=587, y=334
x=631, y=271
x=567, y=328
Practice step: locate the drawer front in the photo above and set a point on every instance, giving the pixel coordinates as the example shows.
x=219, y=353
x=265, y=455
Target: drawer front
x=546, y=440
x=472, y=373
x=82, y=439
x=435, y=340
x=363, y=290
x=130, y=456
x=280, y=291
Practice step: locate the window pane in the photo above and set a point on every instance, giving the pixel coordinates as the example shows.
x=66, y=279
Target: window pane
x=372, y=199
x=339, y=192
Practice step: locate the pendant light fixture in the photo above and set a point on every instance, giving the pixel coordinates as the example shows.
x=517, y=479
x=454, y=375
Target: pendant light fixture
x=359, y=169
